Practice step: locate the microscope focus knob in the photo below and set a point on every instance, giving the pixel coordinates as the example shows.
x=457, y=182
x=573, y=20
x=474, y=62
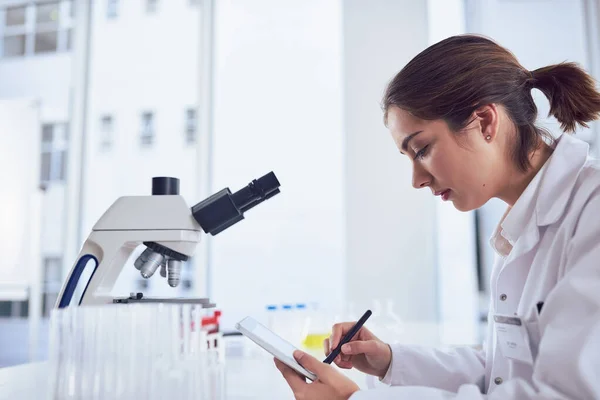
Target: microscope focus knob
x=162, y=185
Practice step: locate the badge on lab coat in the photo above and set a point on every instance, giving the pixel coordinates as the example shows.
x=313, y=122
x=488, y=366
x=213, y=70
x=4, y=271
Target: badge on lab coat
x=513, y=338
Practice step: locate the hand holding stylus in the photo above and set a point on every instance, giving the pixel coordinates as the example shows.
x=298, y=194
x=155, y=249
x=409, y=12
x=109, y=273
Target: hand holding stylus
x=364, y=351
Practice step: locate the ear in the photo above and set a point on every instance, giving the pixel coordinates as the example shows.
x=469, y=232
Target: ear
x=487, y=121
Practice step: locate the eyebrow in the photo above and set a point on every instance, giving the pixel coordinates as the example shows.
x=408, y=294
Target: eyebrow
x=408, y=138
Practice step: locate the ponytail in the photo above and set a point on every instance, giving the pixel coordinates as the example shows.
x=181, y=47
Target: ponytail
x=571, y=92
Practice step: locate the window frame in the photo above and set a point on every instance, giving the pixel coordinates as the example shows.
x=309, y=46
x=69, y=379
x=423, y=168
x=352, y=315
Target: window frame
x=106, y=136
x=57, y=149
x=191, y=126
x=112, y=9
x=147, y=135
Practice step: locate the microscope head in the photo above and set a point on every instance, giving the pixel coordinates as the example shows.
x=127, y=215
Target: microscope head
x=213, y=215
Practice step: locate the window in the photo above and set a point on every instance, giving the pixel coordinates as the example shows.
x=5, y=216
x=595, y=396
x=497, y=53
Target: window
x=112, y=9
x=54, y=153
x=106, y=132
x=69, y=45
x=15, y=16
x=37, y=28
x=14, y=39
x=47, y=13
x=14, y=46
x=191, y=125
x=46, y=21
x=46, y=42
x=53, y=270
x=151, y=6
x=147, y=129
x=52, y=282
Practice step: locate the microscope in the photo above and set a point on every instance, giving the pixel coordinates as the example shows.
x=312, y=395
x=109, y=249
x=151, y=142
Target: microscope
x=168, y=228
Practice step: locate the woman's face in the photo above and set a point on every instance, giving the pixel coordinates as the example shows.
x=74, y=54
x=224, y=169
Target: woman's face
x=459, y=167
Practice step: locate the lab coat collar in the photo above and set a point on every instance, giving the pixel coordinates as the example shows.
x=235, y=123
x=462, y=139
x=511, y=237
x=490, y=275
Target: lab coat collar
x=544, y=200
x=519, y=216
x=564, y=167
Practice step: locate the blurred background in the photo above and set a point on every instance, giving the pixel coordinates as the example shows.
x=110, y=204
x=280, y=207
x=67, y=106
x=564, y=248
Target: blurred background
x=99, y=96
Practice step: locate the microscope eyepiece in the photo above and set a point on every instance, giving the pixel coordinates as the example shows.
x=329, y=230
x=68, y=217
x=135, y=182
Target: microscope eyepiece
x=256, y=192
x=224, y=208
x=163, y=185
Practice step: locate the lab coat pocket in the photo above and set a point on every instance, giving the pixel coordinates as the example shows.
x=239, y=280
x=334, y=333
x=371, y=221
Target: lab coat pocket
x=533, y=333
x=513, y=338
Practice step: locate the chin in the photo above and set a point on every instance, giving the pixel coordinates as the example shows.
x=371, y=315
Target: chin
x=460, y=206
x=464, y=206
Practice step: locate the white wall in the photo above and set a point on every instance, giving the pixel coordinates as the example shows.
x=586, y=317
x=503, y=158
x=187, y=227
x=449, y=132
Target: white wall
x=53, y=219
x=47, y=79
x=19, y=124
x=390, y=236
x=278, y=107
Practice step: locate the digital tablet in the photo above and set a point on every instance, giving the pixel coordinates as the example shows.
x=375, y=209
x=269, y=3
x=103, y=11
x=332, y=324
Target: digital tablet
x=278, y=347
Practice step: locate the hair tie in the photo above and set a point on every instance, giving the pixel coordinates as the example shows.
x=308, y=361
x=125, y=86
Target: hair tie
x=530, y=82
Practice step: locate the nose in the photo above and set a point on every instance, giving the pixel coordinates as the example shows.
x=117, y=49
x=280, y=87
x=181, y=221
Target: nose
x=421, y=178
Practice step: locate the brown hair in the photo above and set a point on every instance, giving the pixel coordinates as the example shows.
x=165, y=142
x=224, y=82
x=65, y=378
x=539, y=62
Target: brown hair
x=452, y=78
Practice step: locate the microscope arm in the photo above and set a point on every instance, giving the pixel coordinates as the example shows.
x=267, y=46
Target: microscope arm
x=109, y=252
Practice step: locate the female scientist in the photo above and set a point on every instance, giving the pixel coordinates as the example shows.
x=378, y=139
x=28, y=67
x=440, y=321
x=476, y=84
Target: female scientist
x=462, y=111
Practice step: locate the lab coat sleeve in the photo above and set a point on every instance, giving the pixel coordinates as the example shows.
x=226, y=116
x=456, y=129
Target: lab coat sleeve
x=444, y=369
x=568, y=361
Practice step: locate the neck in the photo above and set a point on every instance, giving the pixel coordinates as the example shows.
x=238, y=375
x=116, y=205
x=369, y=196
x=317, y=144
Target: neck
x=518, y=181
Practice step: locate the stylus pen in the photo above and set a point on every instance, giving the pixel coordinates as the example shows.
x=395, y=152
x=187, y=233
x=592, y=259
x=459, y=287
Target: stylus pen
x=348, y=337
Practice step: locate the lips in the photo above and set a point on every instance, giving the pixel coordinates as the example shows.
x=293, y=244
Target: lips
x=445, y=194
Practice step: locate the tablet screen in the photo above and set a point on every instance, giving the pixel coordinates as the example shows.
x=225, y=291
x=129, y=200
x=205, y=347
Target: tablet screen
x=269, y=337
x=274, y=340
x=274, y=344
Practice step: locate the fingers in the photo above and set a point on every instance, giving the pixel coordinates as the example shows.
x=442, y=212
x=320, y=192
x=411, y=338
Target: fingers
x=337, y=332
x=341, y=362
x=337, y=360
x=310, y=363
x=363, y=347
x=294, y=380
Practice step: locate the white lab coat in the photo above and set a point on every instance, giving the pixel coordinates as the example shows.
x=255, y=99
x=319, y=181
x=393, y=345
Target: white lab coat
x=549, y=250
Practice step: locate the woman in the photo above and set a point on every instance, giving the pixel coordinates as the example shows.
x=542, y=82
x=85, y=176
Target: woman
x=462, y=111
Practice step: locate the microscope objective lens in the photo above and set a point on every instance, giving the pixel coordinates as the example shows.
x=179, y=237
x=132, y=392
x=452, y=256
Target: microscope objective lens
x=151, y=265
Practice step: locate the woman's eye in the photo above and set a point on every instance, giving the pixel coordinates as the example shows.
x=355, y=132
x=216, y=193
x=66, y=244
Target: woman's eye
x=421, y=153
